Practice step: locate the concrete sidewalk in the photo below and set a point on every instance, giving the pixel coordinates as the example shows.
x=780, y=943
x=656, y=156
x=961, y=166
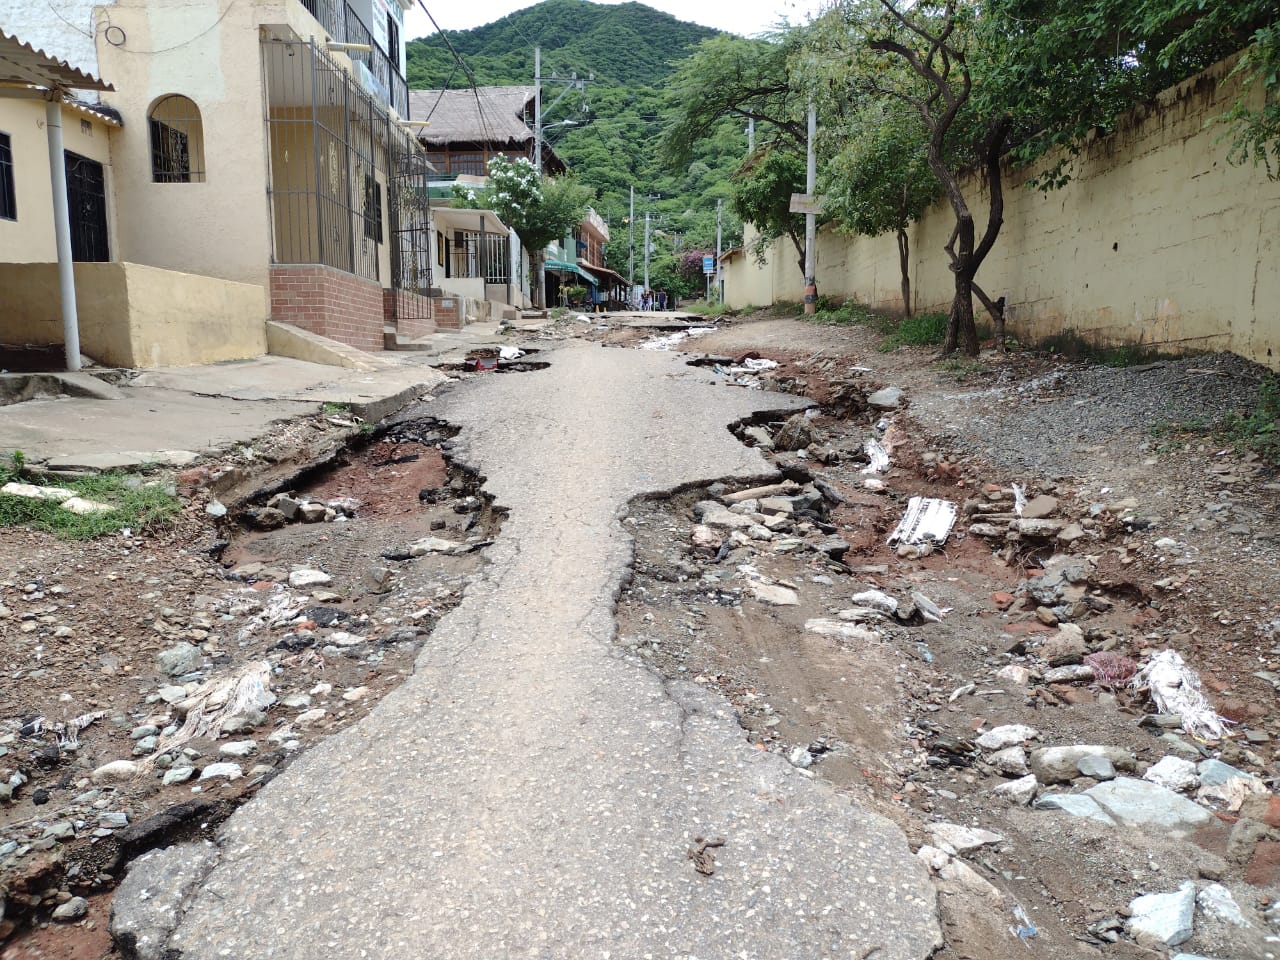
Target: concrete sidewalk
x=172, y=415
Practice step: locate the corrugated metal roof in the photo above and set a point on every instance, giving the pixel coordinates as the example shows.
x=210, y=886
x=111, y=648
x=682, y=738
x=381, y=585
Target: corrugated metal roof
x=21, y=63
x=484, y=115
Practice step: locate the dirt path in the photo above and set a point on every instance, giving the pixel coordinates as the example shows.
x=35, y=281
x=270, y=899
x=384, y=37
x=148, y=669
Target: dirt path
x=891, y=715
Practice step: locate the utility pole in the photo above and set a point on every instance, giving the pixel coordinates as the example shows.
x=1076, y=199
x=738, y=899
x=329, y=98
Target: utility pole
x=811, y=218
x=646, y=249
x=631, y=242
x=537, y=109
x=719, y=224
x=751, y=135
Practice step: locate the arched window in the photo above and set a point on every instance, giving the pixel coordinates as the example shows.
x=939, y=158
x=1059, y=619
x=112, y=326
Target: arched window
x=177, y=141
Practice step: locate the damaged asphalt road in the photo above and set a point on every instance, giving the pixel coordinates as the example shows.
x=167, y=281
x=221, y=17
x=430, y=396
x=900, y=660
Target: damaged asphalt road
x=531, y=790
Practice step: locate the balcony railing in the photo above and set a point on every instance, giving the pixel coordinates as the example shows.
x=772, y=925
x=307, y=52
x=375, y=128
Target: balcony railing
x=380, y=76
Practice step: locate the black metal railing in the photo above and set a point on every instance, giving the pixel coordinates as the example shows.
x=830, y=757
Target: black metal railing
x=345, y=26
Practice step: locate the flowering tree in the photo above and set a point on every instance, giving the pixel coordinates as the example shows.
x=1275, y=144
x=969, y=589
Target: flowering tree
x=539, y=209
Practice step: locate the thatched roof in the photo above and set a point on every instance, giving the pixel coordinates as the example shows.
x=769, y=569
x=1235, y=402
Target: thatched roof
x=485, y=115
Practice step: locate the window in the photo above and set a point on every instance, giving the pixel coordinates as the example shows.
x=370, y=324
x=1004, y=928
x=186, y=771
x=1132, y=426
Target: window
x=393, y=42
x=177, y=141
x=372, y=209
x=470, y=162
x=8, y=200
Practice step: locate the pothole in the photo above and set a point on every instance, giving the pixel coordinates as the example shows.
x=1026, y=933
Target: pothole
x=360, y=558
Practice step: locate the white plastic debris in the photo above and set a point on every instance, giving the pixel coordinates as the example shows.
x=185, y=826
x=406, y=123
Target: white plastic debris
x=756, y=364
x=927, y=520
x=1019, y=498
x=1175, y=688
x=877, y=457
x=672, y=340
x=248, y=691
x=510, y=353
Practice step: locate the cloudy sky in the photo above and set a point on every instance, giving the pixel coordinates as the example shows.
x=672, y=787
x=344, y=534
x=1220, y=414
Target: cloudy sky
x=746, y=17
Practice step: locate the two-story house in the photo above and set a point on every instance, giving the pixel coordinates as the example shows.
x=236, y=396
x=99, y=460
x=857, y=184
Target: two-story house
x=264, y=143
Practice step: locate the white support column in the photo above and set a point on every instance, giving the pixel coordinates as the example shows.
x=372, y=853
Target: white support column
x=62, y=233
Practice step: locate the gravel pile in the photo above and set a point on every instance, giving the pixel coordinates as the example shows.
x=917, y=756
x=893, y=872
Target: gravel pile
x=1047, y=425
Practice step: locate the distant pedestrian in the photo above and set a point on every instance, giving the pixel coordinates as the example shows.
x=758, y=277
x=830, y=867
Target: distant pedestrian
x=662, y=300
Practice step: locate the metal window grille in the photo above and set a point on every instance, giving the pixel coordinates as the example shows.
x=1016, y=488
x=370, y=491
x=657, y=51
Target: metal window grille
x=87, y=206
x=409, y=216
x=470, y=255
x=177, y=141
x=342, y=23
x=335, y=159
x=8, y=193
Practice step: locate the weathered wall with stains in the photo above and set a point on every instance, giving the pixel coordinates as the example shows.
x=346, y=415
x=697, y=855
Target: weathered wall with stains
x=1158, y=239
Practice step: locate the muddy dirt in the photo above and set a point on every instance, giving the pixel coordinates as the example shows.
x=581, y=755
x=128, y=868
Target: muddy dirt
x=87, y=624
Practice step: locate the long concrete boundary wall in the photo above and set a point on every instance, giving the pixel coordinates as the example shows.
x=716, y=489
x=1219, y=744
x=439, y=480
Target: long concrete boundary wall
x=1157, y=240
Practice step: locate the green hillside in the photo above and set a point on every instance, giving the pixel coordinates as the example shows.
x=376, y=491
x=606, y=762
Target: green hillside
x=627, y=44
x=620, y=118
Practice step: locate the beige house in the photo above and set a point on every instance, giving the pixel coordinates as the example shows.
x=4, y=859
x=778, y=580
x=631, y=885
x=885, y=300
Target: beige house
x=252, y=162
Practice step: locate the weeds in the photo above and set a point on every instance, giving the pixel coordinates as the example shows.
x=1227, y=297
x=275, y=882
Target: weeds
x=138, y=505
x=961, y=368
x=923, y=329
x=331, y=409
x=13, y=469
x=1258, y=431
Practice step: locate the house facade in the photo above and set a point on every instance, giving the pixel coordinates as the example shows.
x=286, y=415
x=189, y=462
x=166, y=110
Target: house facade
x=255, y=142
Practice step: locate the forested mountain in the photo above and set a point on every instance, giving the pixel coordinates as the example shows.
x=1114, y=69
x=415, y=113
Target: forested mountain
x=617, y=121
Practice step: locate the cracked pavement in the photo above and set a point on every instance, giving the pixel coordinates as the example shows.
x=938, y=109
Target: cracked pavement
x=530, y=790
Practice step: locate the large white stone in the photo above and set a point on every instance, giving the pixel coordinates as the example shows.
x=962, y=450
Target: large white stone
x=954, y=838
x=1216, y=901
x=1019, y=792
x=305, y=579
x=1140, y=803
x=30, y=491
x=775, y=594
x=1009, y=735
x=1163, y=918
x=1173, y=773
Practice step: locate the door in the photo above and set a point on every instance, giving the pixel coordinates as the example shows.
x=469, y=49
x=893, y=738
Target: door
x=87, y=208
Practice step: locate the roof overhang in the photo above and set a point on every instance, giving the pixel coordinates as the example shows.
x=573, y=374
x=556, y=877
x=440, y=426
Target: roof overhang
x=23, y=67
x=464, y=218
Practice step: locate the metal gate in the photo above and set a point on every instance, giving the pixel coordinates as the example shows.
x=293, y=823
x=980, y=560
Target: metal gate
x=409, y=209
x=87, y=206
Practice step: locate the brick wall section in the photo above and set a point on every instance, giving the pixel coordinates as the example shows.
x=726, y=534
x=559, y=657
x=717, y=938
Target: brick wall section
x=329, y=302
x=411, y=313
x=448, y=312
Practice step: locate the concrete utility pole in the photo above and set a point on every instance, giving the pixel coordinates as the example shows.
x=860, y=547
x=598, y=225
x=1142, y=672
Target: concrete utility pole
x=751, y=135
x=537, y=109
x=719, y=226
x=646, y=250
x=810, y=218
x=631, y=242
x=62, y=234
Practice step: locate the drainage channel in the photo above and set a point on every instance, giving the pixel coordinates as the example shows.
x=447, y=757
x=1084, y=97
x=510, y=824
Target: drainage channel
x=323, y=595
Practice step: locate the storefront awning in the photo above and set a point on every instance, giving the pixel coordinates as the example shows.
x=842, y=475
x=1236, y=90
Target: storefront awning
x=564, y=266
x=609, y=276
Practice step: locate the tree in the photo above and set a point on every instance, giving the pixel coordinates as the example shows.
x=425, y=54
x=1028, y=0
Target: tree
x=762, y=196
x=918, y=56
x=879, y=179
x=540, y=210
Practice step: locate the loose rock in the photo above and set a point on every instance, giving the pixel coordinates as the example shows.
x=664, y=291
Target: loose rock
x=1163, y=918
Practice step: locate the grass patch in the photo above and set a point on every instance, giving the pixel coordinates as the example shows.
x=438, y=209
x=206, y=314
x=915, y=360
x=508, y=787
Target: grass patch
x=140, y=505
x=921, y=330
x=331, y=409
x=961, y=368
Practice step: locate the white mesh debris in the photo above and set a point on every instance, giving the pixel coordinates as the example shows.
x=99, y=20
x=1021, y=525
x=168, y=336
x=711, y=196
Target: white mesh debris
x=1175, y=688
x=927, y=520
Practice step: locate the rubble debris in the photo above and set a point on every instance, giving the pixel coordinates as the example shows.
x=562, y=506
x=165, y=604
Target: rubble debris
x=703, y=856
x=877, y=457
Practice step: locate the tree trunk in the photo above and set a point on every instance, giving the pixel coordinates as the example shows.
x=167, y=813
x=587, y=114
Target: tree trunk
x=904, y=264
x=995, y=308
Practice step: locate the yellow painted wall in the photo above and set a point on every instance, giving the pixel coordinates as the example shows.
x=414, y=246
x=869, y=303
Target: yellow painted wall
x=137, y=316
x=29, y=238
x=1157, y=240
